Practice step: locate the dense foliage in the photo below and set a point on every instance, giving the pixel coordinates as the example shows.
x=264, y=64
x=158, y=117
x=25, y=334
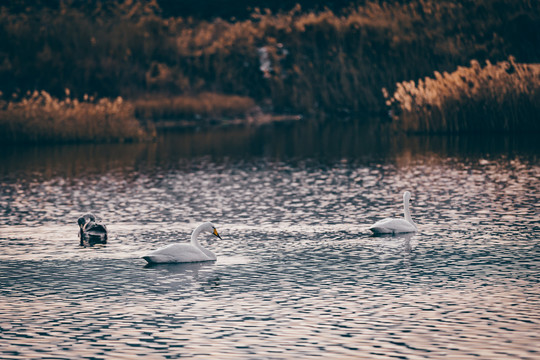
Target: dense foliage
x=301, y=61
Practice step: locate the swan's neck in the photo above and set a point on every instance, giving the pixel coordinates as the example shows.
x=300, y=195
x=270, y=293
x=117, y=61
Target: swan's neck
x=195, y=242
x=195, y=237
x=407, y=213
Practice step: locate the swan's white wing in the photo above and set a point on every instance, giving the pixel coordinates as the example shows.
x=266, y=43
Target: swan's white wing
x=392, y=226
x=177, y=253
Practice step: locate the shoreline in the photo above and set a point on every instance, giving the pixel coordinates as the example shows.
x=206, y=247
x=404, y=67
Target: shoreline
x=494, y=98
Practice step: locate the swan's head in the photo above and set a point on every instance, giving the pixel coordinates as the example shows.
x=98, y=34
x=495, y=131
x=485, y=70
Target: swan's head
x=208, y=226
x=406, y=196
x=84, y=220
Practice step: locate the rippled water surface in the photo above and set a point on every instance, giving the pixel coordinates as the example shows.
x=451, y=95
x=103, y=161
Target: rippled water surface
x=298, y=274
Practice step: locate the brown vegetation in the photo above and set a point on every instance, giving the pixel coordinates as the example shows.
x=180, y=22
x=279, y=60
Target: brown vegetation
x=308, y=62
x=503, y=97
x=301, y=61
x=205, y=105
x=42, y=118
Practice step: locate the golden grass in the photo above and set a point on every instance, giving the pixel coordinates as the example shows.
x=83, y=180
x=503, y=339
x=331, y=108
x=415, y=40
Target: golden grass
x=502, y=97
x=204, y=105
x=42, y=118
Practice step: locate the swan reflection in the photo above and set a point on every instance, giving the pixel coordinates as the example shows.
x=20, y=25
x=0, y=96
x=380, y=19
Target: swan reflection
x=390, y=244
x=180, y=268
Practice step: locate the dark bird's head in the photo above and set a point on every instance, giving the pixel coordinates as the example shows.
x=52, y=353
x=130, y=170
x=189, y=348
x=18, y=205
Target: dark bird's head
x=84, y=220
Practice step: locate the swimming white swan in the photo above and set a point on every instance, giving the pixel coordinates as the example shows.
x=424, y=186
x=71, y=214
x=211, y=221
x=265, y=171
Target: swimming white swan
x=395, y=226
x=182, y=253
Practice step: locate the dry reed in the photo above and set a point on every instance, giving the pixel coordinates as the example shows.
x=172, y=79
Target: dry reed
x=43, y=118
x=502, y=97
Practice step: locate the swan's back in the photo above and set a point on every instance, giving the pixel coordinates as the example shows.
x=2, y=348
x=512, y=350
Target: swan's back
x=392, y=226
x=178, y=253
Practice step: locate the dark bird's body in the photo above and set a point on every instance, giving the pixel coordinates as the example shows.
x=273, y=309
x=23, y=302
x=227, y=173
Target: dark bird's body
x=91, y=232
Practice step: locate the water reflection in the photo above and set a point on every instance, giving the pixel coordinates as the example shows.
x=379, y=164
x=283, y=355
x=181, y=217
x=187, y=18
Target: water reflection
x=399, y=243
x=357, y=142
x=180, y=268
x=298, y=273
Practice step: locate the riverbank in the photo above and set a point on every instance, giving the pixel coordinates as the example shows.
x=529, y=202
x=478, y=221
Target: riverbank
x=174, y=71
x=41, y=118
x=502, y=97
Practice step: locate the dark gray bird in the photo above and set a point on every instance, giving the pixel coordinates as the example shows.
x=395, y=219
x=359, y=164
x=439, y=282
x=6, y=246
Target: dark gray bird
x=91, y=232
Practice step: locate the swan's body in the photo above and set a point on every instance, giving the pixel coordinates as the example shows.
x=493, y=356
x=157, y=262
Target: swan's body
x=396, y=226
x=182, y=253
x=392, y=226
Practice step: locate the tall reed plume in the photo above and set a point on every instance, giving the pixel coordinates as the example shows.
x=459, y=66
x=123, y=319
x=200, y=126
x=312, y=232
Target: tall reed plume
x=502, y=97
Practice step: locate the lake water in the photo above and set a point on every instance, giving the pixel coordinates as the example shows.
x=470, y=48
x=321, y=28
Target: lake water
x=298, y=274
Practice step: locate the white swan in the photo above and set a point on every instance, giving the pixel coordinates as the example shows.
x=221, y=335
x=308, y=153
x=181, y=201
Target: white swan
x=182, y=253
x=395, y=226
